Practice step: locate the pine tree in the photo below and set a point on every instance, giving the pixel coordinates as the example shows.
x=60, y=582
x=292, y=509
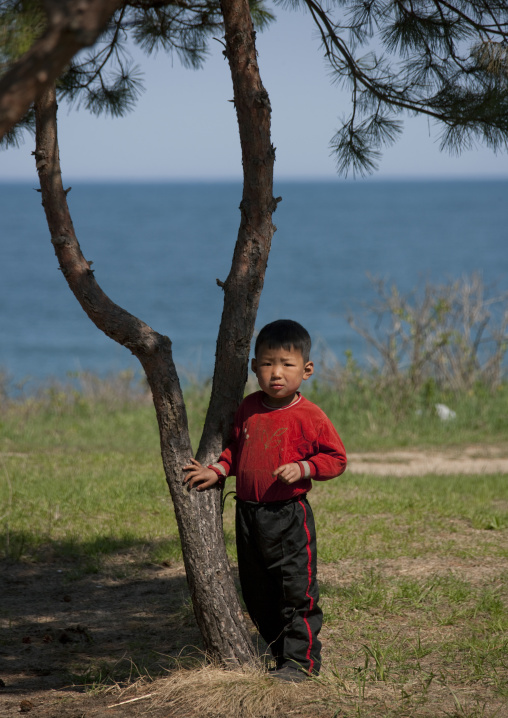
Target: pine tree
x=445, y=59
x=216, y=605
x=103, y=79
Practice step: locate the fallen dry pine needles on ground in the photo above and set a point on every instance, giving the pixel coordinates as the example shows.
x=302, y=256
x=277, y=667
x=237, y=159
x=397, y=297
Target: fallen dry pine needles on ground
x=211, y=692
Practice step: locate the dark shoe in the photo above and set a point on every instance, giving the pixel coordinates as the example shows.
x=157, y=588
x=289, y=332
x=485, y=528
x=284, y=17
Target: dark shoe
x=289, y=674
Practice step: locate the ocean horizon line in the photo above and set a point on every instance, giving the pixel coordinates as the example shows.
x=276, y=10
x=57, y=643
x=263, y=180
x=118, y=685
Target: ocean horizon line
x=280, y=180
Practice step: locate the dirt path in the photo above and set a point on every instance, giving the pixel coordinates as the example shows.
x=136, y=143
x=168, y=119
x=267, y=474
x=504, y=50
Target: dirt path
x=474, y=459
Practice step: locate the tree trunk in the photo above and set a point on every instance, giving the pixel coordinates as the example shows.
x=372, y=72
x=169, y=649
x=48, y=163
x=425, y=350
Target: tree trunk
x=242, y=289
x=218, y=611
x=216, y=606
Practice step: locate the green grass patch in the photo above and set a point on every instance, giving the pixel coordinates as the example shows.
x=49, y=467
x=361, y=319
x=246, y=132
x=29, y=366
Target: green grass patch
x=372, y=417
x=84, y=477
x=364, y=516
x=414, y=570
x=82, y=480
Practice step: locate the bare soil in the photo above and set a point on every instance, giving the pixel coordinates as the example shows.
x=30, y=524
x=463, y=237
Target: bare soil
x=474, y=459
x=135, y=618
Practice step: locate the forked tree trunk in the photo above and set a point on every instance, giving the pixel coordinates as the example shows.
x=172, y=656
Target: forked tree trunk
x=216, y=606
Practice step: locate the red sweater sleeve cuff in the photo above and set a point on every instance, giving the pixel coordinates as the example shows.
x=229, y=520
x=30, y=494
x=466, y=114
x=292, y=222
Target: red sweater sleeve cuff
x=307, y=469
x=221, y=473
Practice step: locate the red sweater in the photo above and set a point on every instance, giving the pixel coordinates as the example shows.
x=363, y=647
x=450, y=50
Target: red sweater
x=264, y=438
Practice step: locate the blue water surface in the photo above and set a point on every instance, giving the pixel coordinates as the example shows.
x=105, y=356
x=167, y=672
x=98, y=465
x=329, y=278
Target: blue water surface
x=158, y=249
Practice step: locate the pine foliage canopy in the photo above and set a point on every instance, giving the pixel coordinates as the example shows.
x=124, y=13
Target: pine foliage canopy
x=446, y=59
x=104, y=80
x=21, y=22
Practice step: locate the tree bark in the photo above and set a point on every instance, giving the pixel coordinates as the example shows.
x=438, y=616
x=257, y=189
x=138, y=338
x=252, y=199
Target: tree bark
x=216, y=605
x=72, y=25
x=242, y=288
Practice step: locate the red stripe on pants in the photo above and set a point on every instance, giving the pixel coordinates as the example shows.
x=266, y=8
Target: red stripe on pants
x=309, y=574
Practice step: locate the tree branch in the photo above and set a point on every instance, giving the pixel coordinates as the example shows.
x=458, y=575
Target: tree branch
x=72, y=25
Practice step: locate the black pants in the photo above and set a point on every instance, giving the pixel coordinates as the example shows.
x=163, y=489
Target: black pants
x=277, y=564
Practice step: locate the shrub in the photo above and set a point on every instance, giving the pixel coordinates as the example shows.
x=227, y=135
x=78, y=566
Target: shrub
x=452, y=334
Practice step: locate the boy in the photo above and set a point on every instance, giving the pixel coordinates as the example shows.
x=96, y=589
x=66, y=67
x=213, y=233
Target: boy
x=280, y=442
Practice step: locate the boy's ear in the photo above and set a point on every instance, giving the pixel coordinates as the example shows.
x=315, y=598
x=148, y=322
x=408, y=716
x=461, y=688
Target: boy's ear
x=254, y=366
x=308, y=370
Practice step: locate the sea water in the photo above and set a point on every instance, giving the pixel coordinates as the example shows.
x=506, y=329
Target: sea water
x=157, y=250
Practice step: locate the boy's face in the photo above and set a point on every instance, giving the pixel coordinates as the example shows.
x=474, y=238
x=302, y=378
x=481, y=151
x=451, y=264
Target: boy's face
x=280, y=372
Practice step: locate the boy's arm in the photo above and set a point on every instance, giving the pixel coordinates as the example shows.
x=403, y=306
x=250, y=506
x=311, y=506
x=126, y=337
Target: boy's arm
x=224, y=466
x=330, y=459
x=321, y=467
x=204, y=477
x=327, y=461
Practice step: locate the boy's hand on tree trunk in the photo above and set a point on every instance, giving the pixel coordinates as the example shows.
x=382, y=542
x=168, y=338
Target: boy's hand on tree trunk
x=199, y=476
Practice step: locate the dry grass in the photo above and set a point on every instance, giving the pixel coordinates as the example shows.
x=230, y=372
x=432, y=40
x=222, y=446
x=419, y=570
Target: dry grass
x=212, y=692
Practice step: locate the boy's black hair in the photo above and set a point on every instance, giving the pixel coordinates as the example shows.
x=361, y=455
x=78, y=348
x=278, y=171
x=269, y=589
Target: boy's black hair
x=287, y=334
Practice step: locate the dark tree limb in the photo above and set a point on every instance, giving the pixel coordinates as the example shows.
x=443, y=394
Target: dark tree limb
x=72, y=25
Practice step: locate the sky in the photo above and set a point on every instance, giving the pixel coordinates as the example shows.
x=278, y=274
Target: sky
x=184, y=126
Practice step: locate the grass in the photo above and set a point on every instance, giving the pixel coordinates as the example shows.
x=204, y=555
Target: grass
x=414, y=570
x=371, y=417
x=408, y=633
x=89, y=481
x=411, y=516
